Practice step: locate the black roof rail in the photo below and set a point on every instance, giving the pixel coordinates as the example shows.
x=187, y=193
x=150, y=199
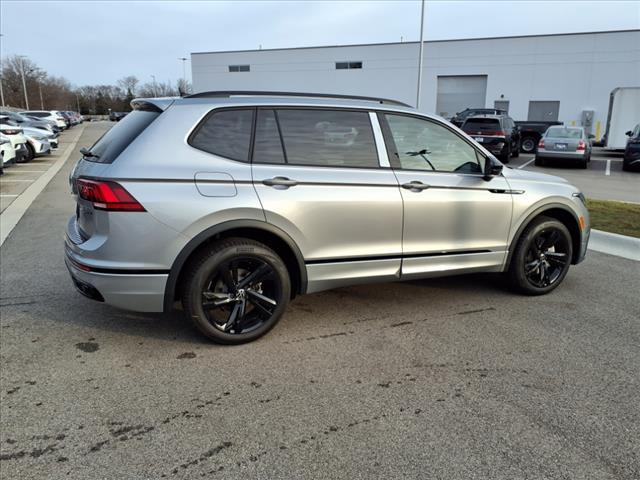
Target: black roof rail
x=251, y=93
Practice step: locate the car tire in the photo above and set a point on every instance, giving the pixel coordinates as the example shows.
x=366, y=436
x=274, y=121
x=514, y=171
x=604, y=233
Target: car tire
x=528, y=145
x=584, y=163
x=541, y=257
x=538, y=162
x=515, y=153
x=236, y=291
x=31, y=154
x=504, y=157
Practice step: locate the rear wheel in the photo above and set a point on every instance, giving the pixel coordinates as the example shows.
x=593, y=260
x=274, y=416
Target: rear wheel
x=236, y=291
x=515, y=152
x=504, y=157
x=541, y=258
x=583, y=163
x=538, y=162
x=528, y=144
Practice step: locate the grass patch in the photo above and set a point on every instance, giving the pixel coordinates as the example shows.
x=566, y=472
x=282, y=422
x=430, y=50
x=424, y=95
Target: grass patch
x=615, y=217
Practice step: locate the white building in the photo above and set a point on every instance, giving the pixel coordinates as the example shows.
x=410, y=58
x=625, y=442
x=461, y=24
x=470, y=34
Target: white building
x=541, y=77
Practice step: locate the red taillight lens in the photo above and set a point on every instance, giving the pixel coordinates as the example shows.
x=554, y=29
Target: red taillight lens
x=541, y=143
x=109, y=196
x=581, y=145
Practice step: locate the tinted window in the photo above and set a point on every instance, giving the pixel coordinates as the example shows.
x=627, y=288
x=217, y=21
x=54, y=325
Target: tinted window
x=267, y=147
x=38, y=114
x=226, y=133
x=112, y=143
x=348, y=65
x=481, y=125
x=328, y=138
x=239, y=68
x=562, y=132
x=425, y=145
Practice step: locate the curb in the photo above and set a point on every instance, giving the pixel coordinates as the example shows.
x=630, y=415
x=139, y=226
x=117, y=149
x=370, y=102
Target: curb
x=614, y=244
x=14, y=212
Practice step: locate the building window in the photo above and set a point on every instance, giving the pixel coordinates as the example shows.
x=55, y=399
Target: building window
x=239, y=68
x=348, y=65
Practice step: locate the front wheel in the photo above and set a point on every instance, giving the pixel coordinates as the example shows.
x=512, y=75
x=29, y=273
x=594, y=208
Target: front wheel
x=541, y=257
x=515, y=153
x=236, y=291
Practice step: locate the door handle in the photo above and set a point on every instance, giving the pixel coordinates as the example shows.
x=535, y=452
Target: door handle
x=415, y=186
x=279, y=182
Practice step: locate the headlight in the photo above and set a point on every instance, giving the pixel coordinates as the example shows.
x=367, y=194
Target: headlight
x=580, y=195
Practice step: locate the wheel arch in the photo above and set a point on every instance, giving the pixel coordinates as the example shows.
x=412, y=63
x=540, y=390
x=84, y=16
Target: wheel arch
x=560, y=212
x=263, y=232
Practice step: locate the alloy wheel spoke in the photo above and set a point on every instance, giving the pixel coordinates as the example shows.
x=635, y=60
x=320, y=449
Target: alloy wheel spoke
x=551, y=240
x=233, y=317
x=259, y=306
x=262, y=297
x=259, y=274
x=560, y=261
x=531, y=266
x=228, y=280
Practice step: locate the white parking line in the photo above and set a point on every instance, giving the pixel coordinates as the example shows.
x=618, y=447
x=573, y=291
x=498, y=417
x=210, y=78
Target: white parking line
x=525, y=164
x=32, y=171
x=2, y=195
x=608, y=170
x=14, y=181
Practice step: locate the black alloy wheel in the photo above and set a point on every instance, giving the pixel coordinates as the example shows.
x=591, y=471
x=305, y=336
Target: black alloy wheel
x=542, y=257
x=236, y=290
x=547, y=258
x=241, y=295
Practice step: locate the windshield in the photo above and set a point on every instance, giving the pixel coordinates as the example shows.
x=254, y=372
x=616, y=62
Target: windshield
x=561, y=132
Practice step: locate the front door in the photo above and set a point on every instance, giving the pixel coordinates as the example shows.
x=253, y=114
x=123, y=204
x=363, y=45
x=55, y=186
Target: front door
x=454, y=220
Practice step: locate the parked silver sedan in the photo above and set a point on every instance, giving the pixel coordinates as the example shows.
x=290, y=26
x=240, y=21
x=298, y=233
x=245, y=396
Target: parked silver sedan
x=564, y=143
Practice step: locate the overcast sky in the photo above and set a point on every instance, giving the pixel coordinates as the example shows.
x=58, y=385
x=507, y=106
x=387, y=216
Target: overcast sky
x=92, y=42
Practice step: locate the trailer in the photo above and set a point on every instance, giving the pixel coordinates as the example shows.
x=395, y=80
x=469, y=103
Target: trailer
x=624, y=114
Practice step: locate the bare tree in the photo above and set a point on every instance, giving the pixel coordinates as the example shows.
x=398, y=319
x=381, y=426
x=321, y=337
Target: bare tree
x=129, y=84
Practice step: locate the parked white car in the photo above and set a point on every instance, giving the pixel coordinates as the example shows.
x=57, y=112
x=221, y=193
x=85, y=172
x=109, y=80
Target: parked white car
x=7, y=152
x=48, y=115
x=37, y=142
x=18, y=141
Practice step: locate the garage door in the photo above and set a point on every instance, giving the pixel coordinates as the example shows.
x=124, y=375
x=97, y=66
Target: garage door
x=543, y=111
x=455, y=93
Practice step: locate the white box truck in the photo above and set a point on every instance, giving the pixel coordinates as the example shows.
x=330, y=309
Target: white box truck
x=624, y=114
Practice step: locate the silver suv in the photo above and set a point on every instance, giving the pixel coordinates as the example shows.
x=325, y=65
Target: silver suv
x=235, y=202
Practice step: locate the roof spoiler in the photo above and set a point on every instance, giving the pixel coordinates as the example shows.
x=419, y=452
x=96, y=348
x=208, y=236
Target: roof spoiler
x=158, y=105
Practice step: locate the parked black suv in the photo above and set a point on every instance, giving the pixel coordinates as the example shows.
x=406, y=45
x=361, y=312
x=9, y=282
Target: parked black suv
x=497, y=133
x=631, y=159
x=459, y=118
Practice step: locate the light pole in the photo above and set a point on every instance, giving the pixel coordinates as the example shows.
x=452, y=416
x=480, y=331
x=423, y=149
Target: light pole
x=77, y=102
x=40, y=90
x=154, y=85
x=420, y=59
x=24, y=83
x=1, y=75
x=184, y=74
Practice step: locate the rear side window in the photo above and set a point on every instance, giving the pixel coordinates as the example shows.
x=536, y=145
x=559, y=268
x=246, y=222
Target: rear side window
x=226, y=133
x=38, y=114
x=113, y=143
x=327, y=138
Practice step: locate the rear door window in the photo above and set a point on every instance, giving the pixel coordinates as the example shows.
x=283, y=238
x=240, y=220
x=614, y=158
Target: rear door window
x=327, y=138
x=113, y=143
x=226, y=133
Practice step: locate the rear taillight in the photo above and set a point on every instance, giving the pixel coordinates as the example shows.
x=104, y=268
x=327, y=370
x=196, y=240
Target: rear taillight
x=106, y=195
x=13, y=131
x=581, y=145
x=541, y=143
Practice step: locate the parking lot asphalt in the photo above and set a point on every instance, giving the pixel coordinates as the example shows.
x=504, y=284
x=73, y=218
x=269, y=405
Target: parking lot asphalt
x=452, y=378
x=603, y=179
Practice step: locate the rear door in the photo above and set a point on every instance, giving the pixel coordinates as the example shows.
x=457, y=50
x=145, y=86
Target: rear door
x=453, y=218
x=319, y=178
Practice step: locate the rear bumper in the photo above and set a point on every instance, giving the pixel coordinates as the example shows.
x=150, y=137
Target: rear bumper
x=546, y=154
x=129, y=290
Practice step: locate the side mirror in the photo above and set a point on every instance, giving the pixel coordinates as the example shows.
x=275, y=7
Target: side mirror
x=628, y=133
x=492, y=168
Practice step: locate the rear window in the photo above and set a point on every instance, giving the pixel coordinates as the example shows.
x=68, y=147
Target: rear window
x=113, y=143
x=38, y=114
x=564, y=133
x=481, y=125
